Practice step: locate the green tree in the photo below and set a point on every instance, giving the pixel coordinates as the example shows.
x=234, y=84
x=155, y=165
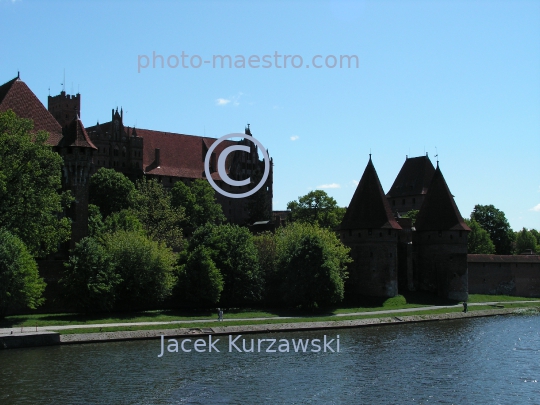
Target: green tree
x=199, y=202
x=147, y=269
x=20, y=284
x=265, y=243
x=494, y=221
x=412, y=214
x=200, y=280
x=109, y=190
x=478, y=240
x=232, y=250
x=161, y=220
x=89, y=279
x=525, y=240
x=537, y=236
x=316, y=207
x=30, y=183
x=312, y=263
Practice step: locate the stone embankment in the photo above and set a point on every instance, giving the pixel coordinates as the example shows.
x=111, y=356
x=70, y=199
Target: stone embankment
x=47, y=338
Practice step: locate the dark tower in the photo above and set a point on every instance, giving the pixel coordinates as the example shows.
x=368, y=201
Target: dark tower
x=370, y=230
x=64, y=107
x=411, y=185
x=77, y=150
x=440, y=242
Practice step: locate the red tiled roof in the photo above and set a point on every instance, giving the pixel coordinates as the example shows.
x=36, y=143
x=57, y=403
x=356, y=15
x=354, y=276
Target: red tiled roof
x=75, y=135
x=180, y=155
x=439, y=211
x=503, y=258
x=413, y=178
x=369, y=207
x=15, y=95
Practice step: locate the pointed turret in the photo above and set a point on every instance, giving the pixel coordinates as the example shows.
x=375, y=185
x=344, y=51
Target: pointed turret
x=369, y=207
x=75, y=135
x=370, y=230
x=441, y=243
x=439, y=211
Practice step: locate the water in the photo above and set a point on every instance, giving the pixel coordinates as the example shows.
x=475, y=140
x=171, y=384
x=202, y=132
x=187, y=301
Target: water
x=471, y=361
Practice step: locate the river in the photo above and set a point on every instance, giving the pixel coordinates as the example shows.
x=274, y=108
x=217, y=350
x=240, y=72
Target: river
x=493, y=360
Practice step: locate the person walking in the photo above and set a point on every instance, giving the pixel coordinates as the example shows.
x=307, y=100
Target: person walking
x=220, y=315
x=464, y=306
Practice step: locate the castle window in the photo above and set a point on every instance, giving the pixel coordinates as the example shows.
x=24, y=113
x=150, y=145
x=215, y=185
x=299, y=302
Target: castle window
x=115, y=151
x=380, y=234
x=414, y=200
x=371, y=254
x=389, y=232
x=124, y=151
x=403, y=201
x=350, y=232
x=359, y=234
x=170, y=180
x=440, y=234
x=70, y=151
x=370, y=232
x=460, y=234
x=393, y=202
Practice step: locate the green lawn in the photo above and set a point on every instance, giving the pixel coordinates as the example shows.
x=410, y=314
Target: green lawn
x=290, y=320
x=409, y=301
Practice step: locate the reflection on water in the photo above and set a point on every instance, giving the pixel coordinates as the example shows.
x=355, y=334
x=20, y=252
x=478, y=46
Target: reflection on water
x=471, y=361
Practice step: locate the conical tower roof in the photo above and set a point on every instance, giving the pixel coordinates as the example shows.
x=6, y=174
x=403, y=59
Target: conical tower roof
x=75, y=135
x=369, y=207
x=439, y=211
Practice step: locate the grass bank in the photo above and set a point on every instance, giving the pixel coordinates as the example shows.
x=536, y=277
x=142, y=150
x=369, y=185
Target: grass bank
x=407, y=301
x=202, y=325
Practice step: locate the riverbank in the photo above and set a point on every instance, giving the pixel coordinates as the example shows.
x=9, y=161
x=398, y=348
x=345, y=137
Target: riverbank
x=47, y=338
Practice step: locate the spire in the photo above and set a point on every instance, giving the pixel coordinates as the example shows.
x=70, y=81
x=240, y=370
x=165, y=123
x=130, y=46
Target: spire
x=439, y=211
x=75, y=135
x=369, y=207
x=247, y=130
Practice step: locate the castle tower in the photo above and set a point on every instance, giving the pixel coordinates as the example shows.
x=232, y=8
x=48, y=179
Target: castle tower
x=411, y=185
x=77, y=150
x=440, y=243
x=370, y=230
x=64, y=107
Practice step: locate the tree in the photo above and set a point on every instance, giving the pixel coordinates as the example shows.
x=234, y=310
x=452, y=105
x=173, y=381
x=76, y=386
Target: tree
x=146, y=267
x=412, y=214
x=160, y=219
x=232, y=250
x=494, y=221
x=200, y=280
x=312, y=264
x=525, y=240
x=109, y=190
x=30, y=183
x=316, y=207
x=536, y=234
x=20, y=284
x=199, y=202
x=89, y=279
x=478, y=240
x=265, y=243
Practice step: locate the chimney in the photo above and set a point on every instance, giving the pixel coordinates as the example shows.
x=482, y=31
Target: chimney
x=158, y=159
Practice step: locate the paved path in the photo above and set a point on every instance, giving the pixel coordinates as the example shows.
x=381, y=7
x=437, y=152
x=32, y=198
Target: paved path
x=30, y=329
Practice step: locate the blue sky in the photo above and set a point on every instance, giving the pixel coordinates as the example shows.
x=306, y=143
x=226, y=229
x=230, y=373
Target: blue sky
x=460, y=79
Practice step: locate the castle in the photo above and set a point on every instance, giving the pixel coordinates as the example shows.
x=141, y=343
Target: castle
x=389, y=253
x=164, y=156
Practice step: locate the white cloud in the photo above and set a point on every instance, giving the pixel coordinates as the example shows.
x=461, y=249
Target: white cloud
x=355, y=182
x=294, y=137
x=222, y=101
x=235, y=100
x=537, y=208
x=332, y=185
